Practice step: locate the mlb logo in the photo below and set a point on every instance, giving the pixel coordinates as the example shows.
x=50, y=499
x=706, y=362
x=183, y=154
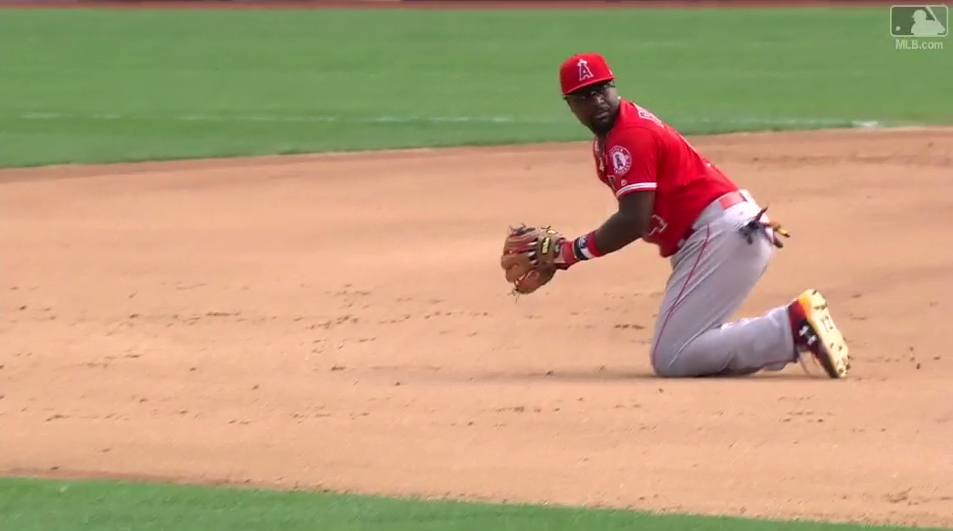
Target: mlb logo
x=919, y=21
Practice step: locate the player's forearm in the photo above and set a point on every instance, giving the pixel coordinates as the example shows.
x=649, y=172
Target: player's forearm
x=619, y=230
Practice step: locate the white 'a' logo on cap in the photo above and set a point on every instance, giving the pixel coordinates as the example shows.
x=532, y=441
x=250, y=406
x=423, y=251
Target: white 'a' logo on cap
x=584, y=72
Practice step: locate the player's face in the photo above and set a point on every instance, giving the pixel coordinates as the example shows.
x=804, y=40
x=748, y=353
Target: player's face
x=595, y=106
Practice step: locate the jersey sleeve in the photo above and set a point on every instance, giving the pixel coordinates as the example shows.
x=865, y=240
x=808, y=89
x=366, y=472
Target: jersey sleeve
x=633, y=161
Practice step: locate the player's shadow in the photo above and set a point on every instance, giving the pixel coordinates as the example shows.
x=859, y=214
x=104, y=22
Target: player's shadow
x=763, y=376
x=568, y=375
x=621, y=375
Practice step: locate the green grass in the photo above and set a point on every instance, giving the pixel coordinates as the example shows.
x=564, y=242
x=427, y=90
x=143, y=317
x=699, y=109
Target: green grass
x=35, y=505
x=98, y=85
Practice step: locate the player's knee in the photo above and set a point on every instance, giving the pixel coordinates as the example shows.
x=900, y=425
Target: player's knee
x=679, y=360
x=665, y=362
x=671, y=370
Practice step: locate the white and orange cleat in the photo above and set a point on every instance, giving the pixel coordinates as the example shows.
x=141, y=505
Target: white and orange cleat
x=815, y=332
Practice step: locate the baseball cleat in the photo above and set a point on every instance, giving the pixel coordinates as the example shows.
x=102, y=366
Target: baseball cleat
x=815, y=332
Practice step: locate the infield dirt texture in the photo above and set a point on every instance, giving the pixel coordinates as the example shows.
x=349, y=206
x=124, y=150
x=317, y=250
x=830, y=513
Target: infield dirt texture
x=340, y=322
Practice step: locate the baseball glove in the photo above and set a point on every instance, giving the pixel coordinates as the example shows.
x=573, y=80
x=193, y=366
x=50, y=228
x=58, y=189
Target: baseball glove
x=529, y=257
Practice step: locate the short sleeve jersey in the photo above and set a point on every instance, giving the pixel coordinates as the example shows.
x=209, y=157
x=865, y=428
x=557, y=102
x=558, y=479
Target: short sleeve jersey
x=642, y=153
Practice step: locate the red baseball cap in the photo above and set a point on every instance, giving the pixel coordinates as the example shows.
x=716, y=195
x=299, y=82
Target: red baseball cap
x=582, y=70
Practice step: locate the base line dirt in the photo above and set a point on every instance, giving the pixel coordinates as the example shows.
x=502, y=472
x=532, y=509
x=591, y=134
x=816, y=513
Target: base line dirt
x=340, y=322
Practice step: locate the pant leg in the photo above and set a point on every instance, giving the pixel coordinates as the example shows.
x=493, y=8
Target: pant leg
x=712, y=276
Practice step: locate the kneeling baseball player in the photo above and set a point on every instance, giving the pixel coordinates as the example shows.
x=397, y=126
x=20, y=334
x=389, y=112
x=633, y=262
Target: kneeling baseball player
x=718, y=239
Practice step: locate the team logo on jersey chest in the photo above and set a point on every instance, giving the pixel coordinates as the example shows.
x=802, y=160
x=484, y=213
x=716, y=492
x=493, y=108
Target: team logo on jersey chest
x=620, y=160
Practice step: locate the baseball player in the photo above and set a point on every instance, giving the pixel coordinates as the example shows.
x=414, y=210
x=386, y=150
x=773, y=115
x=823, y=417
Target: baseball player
x=717, y=238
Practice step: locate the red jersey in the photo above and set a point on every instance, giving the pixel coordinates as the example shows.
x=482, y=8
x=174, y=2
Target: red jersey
x=643, y=153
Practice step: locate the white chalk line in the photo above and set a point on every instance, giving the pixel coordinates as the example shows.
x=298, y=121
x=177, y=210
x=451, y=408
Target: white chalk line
x=477, y=120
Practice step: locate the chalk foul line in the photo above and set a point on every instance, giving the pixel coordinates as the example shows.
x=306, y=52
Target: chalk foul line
x=475, y=120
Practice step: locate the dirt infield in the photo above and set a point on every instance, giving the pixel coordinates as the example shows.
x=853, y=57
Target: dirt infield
x=340, y=322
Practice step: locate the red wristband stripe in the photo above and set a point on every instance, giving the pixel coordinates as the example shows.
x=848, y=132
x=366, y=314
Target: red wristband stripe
x=589, y=249
x=591, y=245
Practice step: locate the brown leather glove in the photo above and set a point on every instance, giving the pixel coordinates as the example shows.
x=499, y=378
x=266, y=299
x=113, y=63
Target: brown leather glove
x=530, y=257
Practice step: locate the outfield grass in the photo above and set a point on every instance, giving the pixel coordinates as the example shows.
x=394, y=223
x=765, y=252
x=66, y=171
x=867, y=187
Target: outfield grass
x=97, y=85
x=33, y=505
